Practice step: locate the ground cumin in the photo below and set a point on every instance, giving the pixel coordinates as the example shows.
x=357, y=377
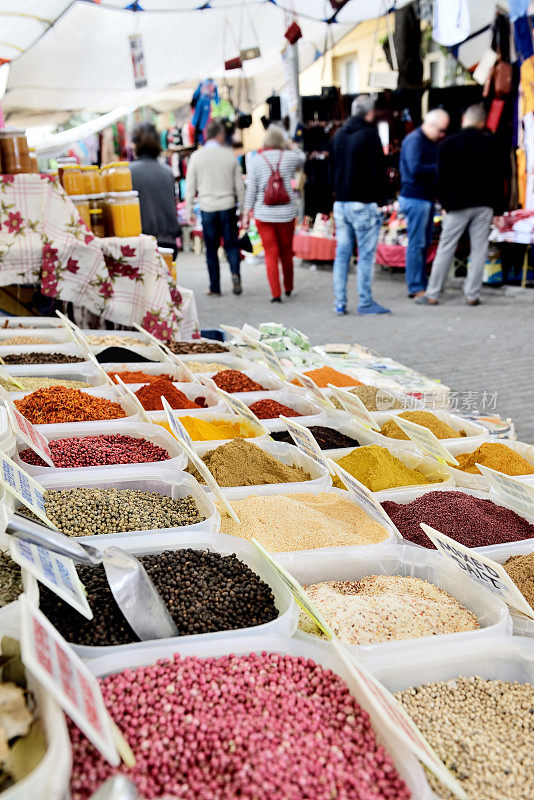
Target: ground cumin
x=378, y=469
x=495, y=456
x=240, y=463
x=521, y=571
x=373, y=398
x=439, y=428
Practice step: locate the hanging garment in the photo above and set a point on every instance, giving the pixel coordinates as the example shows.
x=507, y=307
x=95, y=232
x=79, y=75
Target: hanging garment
x=205, y=92
x=451, y=22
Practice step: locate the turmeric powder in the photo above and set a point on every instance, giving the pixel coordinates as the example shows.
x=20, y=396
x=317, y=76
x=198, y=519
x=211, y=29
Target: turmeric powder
x=204, y=430
x=495, y=455
x=439, y=428
x=378, y=469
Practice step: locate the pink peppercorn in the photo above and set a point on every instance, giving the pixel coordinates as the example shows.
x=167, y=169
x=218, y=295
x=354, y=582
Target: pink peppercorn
x=91, y=451
x=256, y=727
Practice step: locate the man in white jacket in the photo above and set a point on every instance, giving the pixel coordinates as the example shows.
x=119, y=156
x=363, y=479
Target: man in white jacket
x=215, y=176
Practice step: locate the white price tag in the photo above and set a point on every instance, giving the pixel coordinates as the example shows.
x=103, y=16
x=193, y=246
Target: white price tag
x=187, y=443
x=24, y=429
x=489, y=573
x=269, y=356
x=235, y=333
x=514, y=492
x=101, y=370
x=55, y=664
x=25, y=488
x=355, y=407
x=381, y=700
x=425, y=440
x=238, y=407
x=75, y=333
x=364, y=497
x=169, y=355
x=305, y=441
x=135, y=400
x=53, y=570
x=307, y=382
x=4, y=374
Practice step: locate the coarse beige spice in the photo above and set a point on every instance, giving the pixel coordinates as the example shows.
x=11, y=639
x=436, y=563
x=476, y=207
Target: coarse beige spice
x=521, y=571
x=112, y=340
x=483, y=731
x=16, y=340
x=205, y=366
x=241, y=463
x=440, y=429
x=374, y=399
x=381, y=608
x=303, y=521
x=41, y=383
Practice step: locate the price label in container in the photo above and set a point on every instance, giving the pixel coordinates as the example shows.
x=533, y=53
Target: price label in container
x=489, y=573
x=364, y=497
x=100, y=369
x=382, y=701
x=425, y=440
x=62, y=673
x=187, y=443
x=305, y=441
x=236, y=333
x=512, y=491
x=355, y=407
x=135, y=400
x=238, y=407
x=25, y=488
x=309, y=384
x=169, y=355
x=270, y=357
x=24, y=429
x=53, y=570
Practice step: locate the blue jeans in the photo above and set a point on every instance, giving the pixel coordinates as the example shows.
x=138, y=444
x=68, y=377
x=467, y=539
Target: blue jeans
x=217, y=225
x=360, y=223
x=420, y=223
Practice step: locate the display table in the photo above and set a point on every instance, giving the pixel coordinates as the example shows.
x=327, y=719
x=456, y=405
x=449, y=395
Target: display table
x=44, y=241
x=394, y=255
x=314, y=248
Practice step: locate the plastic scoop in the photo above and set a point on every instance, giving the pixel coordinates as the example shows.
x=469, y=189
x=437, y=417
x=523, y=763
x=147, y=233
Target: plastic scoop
x=130, y=584
x=117, y=788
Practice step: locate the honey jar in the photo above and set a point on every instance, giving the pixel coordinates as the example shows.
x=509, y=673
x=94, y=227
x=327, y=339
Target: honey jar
x=73, y=180
x=117, y=177
x=123, y=213
x=92, y=180
x=14, y=151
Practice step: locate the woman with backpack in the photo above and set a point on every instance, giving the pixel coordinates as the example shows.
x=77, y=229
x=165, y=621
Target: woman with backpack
x=270, y=199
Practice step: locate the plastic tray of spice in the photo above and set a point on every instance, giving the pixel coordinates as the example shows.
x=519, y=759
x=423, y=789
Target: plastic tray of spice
x=406, y=765
x=49, y=780
x=21, y=352
x=24, y=338
x=157, y=368
x=227, y=359
x=154, y=434
x=491, y=613
x=285, y=623
x=83, y=373
x=213, y=414
x=499, y=551
x=127, y=405
x=14, y=322
x=163, y=481
x=308, y=411
x=287, y=454
x=476, y=481
x=192, y=391
x=495, y=658
x=261, y=375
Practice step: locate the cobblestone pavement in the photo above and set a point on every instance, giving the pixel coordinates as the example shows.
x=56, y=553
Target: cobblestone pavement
x=488, y=348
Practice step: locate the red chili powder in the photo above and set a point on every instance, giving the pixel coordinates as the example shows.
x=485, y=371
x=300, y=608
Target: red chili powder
x=271, y=409
x=138, y=377
x=150, y=396
x=232, y=380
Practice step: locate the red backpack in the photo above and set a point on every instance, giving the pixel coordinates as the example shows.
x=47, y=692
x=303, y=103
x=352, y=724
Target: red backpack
x=275, y=192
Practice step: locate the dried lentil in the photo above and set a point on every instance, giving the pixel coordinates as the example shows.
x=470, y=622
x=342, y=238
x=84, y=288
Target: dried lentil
x=326, y=438
x=440, y=429
x=472, y=521
x=150, y=396
x=378, y=469
x=62, y=404
x=496, y=456
x=241, y=463
x=204, y=592
x=521, y=571
x=93, y=451
x=40, y=358
x=90, y=512
x=10, y=579
x=301, y=522
x=30, y=384
x=373, y=399
x=255, y=726
x=383, y=608
x=195, y=348
x=482, y=730
x=271, y=409
x=232, y=380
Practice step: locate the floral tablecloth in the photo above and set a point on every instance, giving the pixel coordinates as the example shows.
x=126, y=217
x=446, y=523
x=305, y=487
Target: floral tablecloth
x=43, y=240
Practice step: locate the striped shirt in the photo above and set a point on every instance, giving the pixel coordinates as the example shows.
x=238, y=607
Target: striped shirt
x=258, y=178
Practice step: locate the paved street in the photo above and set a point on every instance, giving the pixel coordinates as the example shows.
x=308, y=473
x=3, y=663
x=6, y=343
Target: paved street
x=488, y=348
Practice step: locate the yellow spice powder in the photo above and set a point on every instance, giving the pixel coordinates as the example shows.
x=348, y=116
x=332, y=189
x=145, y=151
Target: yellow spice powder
x=203, y=430
x=495, y=455
x=378, y=469
x=439, y=428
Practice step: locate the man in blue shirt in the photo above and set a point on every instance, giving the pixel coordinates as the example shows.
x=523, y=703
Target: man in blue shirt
x=419, y=184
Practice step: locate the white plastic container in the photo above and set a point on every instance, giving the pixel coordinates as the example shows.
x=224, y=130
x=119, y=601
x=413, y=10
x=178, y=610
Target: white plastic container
x=261, y=375
x=14, y=322
x=407, y=766
x=51, y=777
x=156, y=368
x=164, y=481
x=284, y=625
x=309, y=411
x=50, y=370
x=476, y=434
x=55, y=335
x=209, y=415
x=7, y=437
x=139, y=430
x=475, y=481
x=228, y=359
x=191, y=391
x=287, y=454
x=492, y=614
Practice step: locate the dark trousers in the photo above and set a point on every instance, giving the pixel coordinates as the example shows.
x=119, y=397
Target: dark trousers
x=217, y=225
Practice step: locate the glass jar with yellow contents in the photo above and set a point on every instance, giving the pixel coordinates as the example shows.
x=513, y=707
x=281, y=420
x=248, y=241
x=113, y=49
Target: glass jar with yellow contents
x=117, y=177
x=81, y=201
x=123, y=214
x=92, y=180
x=73, y=181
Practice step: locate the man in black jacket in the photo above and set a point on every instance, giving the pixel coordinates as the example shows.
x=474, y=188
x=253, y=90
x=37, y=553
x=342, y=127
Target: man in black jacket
x=470, y=189
x=358, y=175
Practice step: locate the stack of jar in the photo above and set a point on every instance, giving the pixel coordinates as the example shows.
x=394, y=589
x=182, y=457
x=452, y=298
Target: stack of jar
x=104, y=197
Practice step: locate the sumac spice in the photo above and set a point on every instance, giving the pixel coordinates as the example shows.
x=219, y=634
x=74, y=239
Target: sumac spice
x=472, y=521
x=93, y=451
x=61, y=404
x=270, y=409
x=150, y=396
x=232, y=380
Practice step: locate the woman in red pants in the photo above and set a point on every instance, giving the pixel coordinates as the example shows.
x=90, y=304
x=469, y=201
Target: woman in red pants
x=274, y=209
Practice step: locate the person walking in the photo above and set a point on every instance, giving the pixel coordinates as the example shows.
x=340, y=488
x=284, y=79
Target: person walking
x=358, y=176
x=215, y=176
x=154, y=183
x=419, y=185
x=270, y=199
x=470, y=189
